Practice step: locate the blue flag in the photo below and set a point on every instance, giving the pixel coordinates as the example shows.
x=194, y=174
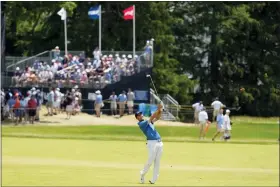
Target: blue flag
x=94, y=12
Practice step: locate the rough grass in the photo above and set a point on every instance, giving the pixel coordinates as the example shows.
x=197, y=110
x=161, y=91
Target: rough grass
x=242, y=132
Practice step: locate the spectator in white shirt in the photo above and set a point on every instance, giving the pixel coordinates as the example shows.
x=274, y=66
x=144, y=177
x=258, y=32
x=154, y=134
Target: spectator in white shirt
x=217, y=105
x=130, y=99
x=227, y=126
x=203, y=118
x=197, y=108
x=96, y=53
x=113, y=99
x=50, y=102
x=57, y=100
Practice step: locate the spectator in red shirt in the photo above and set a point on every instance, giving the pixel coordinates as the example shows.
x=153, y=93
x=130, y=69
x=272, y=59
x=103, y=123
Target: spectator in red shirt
x=32, y=106
x=16, y=108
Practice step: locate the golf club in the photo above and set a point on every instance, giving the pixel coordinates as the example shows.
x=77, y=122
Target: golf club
x=148, y=75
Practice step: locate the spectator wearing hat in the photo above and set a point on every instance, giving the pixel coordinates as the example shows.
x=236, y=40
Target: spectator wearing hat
x=98, y=104
x=197, y=108
x=113, y=103
x=32, y=106
x=16, y=77
x=203, y=118
x=122, y=99
x=130, y=101
x=56, y=52
x=11, y=103
x=227, y=126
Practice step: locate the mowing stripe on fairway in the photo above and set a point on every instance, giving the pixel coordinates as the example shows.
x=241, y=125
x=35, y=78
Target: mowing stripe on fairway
x=78, y=163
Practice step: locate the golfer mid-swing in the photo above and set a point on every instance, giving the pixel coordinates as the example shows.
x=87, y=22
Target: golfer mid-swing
x=154, y=143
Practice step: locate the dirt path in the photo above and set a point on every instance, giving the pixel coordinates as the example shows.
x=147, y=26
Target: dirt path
x=86, y=119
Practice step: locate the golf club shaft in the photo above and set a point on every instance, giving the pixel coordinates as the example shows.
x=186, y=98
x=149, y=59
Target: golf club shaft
x=157, y=92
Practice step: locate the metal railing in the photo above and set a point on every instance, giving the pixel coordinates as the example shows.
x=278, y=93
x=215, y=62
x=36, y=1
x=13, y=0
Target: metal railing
x=171, y=106
x=27, y=61
x=46, y=56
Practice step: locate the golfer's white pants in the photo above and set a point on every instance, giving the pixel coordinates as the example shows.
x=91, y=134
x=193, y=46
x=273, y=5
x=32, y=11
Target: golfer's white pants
x=155, y=149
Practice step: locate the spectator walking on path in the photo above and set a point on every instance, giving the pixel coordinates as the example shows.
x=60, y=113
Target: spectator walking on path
x=220, y=122
x=217, y=105
x=227, y=126
x=203, y=118
x=197, y=108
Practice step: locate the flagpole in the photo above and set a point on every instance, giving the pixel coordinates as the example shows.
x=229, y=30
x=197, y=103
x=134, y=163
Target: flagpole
x=133, y=31
x=65, y=33
x=100, y=28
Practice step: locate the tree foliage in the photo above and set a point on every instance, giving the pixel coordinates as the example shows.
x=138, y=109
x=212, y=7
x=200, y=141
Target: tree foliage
x=224, y=46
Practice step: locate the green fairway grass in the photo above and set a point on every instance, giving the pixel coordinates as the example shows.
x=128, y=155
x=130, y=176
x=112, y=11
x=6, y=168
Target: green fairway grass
x=53, y=162
x=242, y=132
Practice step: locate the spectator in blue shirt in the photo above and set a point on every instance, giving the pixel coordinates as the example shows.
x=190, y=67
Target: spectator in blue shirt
x=11, y=103
x=122, y=99
x=220, y=122
x=98, y=104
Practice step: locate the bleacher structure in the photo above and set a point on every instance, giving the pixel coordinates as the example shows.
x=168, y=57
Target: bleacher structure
x=172, y=107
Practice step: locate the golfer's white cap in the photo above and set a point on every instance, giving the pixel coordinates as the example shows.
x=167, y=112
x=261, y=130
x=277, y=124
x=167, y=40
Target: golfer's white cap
x=227, y=111
x=33, y=89
x=76, y=86
x=129, y=56
x=98, y=92
x=136, y=56
x=111, y=56
x=57, y=89
x=123, y=56
x=53, y=60
x=17, y=68
x=117, y=55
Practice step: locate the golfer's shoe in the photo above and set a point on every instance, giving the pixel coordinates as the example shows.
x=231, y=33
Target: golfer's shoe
x=151, y=182
x=142, y=180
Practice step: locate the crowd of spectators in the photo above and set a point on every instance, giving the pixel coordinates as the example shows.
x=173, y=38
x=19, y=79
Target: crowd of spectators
x=71, y=70
x=23, y=107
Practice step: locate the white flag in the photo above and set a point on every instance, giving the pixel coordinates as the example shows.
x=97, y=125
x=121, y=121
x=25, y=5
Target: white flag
x=62, y=13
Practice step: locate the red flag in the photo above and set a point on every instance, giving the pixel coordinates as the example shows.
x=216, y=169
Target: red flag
x=128, y=13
